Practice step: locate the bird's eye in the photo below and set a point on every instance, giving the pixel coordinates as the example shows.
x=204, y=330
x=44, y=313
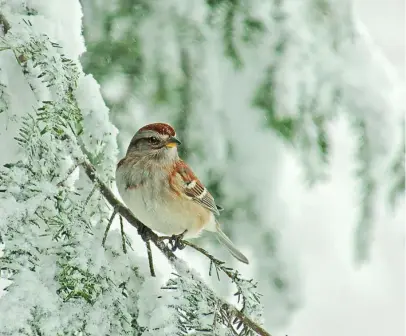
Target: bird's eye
x=153, y=140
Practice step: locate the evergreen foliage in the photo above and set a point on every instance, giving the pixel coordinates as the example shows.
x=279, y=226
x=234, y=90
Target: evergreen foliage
x=244, y=78
x=63, y=281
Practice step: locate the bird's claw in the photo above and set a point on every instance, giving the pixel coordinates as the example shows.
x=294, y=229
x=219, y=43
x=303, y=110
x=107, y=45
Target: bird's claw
x=176, y=241
x=144, y=233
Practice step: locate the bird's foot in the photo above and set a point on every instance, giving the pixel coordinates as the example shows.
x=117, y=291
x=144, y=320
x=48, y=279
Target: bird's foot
x=176, y=241
x=143, y=231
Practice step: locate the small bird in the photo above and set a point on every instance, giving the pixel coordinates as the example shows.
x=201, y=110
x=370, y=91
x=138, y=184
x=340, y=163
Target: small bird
x=163, y=192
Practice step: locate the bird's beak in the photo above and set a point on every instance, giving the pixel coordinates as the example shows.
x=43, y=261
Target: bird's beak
x=172, y=142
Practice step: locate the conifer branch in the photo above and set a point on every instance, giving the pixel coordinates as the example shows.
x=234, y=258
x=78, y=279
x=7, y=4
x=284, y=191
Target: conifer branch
x=227, y=310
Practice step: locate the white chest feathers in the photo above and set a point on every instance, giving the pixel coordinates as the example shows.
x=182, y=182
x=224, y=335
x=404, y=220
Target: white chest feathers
x=153, y=202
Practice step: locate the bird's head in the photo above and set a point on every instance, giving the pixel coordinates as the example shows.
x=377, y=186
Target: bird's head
x=157, y=140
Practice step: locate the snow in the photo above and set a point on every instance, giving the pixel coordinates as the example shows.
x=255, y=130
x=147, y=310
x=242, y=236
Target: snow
x=385, y=22
x=96, y=125
x=327, y=294
x=51, y=272
x=342, y=299
x=152, y=310
x=60, y=20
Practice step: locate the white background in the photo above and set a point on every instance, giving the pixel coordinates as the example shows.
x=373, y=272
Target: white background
x=385, y=20
x=339, y=299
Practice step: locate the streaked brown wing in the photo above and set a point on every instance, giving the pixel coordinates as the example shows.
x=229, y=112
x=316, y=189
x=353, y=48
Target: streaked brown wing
x=193, y=188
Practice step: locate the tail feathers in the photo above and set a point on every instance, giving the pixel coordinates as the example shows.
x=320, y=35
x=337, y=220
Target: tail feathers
x=223, y=239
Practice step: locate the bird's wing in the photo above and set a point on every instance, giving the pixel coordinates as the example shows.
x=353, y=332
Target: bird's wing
x=191, y=187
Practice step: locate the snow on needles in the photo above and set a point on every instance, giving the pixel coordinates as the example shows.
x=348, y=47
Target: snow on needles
x=62, y=280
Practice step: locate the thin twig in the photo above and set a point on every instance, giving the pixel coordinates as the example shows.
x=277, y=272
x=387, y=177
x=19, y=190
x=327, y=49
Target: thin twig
x=123, y=235
x=150, y=260
x=109, y=225
x=69, y=173
x=87, y=200
x=213, y=261
x=148, y=234
x=128, y=242
x=217, y=263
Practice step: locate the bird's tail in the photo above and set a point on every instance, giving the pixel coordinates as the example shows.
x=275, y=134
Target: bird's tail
x=223, y=239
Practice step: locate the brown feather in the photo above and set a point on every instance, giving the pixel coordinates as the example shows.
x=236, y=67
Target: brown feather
x=120, y=163
x=161, y=128
x=191, y=186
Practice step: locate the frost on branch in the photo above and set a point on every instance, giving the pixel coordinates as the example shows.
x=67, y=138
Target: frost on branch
x=197, y=309
x=63, y=281
x=247, y=318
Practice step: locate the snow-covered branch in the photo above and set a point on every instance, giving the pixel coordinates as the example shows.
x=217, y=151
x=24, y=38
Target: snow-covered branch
x=51, y=219
x=230, y=315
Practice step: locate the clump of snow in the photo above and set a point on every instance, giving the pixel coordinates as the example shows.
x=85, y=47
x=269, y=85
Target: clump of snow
x=63, y=280
x=99, y=134
x=153, y=312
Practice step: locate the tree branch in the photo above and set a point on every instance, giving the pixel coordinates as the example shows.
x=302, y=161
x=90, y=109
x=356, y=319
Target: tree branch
x=4, y=23
x=177, y=263
x=150, y=260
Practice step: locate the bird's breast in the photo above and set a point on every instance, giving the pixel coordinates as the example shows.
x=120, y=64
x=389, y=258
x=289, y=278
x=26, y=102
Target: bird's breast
x=154, y=203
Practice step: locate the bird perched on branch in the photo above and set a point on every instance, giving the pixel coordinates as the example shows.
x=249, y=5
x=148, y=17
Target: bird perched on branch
x=163, y=192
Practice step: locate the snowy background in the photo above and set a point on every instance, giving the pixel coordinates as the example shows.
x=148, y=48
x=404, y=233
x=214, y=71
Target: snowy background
x=338, y=298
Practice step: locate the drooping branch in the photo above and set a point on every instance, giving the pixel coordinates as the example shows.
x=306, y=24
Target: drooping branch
x=180, y=266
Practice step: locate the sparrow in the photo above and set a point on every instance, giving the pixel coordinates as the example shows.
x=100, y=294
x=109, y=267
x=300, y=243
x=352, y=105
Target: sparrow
x=162, y=191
